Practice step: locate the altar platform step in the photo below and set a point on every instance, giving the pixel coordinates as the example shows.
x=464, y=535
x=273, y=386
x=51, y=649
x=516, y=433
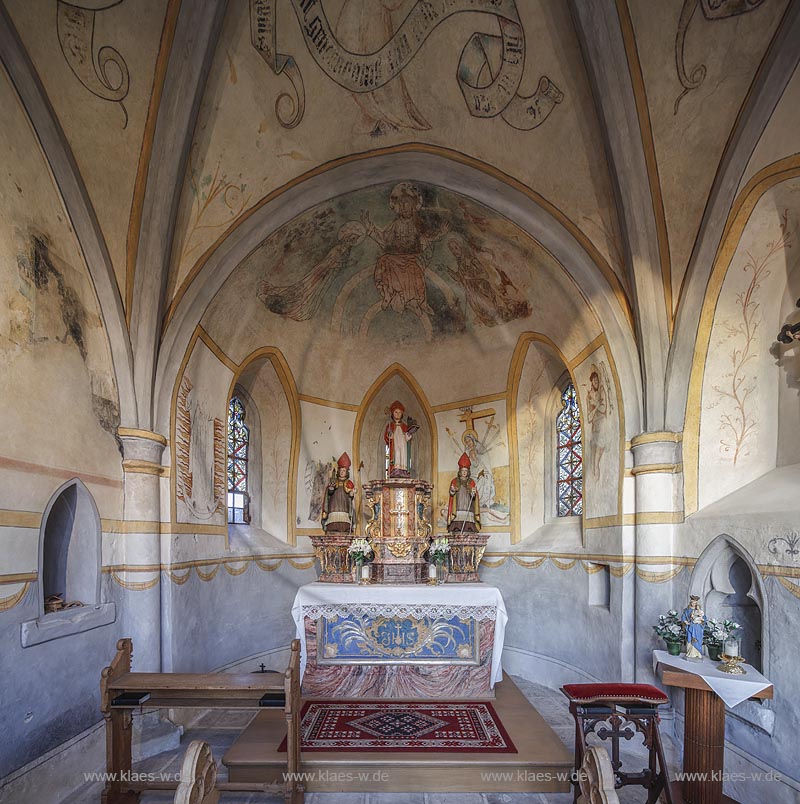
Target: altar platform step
x=543, y=764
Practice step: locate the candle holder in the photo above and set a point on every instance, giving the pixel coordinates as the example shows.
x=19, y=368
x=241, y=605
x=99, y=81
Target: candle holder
x=432, y=574
x=731, y=659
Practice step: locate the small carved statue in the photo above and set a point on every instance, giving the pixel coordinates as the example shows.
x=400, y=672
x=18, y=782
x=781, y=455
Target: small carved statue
x=337, y=505
x=463, y=507
x=397, y=436
x=694, y=619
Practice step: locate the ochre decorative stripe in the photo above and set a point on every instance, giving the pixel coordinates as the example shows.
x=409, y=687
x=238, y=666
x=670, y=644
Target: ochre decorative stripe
x=140, y=183
x=657, y=468
x=658, y=577
x=791, y=587
x=466, y=403
x=621, y=571
x=327, y=403
x=135, y=586
x=149, y=435
x=57, y=471
x=231, y=570
x=523, y=563
x=18, y=577
x=145, y=468
x=649, y=149
x=20, y=519
x=656, y=438
x=587, y=351
x=7, y=603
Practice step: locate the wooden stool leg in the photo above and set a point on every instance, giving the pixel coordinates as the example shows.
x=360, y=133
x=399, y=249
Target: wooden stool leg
x=703, y=747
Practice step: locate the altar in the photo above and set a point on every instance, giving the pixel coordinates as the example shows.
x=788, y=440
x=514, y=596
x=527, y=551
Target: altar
x=400, y=641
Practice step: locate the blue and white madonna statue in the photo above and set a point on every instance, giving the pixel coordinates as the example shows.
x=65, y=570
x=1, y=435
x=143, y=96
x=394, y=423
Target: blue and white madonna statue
x=694, y=619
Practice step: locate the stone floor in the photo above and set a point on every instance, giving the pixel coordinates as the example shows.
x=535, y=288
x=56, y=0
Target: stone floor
x=220, y=729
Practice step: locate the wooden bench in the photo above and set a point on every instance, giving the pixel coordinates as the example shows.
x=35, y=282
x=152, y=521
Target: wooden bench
x=122, y=691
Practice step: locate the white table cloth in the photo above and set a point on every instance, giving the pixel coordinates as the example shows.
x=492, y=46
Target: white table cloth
x=732, y=689
x=476, y=600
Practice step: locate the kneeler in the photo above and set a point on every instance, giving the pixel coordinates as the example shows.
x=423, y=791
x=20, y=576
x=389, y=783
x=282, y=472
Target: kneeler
x=618, y=711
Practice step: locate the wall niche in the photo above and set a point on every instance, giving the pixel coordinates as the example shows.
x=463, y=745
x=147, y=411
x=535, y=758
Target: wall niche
x=69, y=568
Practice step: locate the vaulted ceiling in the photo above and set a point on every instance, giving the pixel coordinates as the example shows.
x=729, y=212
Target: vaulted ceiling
x=616, y=133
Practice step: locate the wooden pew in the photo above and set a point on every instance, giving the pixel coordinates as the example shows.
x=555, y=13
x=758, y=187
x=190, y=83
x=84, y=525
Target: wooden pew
x=122, y=691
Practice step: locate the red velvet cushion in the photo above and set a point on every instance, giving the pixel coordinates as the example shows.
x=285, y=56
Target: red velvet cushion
x=586, y=693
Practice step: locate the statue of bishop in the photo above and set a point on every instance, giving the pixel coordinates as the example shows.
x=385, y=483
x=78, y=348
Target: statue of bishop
x=463, y=507
x=337, y=505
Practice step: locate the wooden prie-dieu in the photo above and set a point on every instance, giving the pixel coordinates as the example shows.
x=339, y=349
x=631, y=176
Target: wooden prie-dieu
x=122, y=691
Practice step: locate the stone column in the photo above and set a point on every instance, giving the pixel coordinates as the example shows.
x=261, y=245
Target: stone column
x=137, y=550
x=658, y=490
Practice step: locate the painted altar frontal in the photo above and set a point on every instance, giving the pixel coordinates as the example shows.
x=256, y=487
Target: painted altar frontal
x=400, y=641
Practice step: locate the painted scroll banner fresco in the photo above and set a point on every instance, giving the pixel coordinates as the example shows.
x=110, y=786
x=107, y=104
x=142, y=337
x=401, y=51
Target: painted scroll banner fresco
x=501, y=57
x=105, y=73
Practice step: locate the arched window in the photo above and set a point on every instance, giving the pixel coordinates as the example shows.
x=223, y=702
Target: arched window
x=569, y=482
x=238, y=447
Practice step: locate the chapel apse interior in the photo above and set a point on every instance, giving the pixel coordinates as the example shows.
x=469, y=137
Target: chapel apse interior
x=183, y=221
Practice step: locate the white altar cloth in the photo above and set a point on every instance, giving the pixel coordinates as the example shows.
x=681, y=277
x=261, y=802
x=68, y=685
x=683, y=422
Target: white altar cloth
x=477, y=600
x=731, y=688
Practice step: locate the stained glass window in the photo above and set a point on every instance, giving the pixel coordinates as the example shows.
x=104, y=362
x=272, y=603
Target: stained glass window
x=569, y=485
x=238, y=444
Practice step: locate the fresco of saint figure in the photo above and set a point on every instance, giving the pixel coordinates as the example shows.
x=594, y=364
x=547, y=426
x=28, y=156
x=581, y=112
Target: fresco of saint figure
x=488, y=298
x=301, y=300
x=400, y=270
x=597, y=408
x=365, y=26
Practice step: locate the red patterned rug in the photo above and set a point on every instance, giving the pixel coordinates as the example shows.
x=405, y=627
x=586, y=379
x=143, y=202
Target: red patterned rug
x=448, y=727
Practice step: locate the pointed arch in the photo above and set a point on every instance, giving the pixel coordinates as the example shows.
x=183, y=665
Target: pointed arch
x=396, y=370
x=289, y=386
x=70, y=546
x=514, y=376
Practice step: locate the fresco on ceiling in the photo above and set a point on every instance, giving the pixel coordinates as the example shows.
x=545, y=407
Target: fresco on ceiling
x=368, y=50
x=103, y=72
x=712, y=10
x=400, y=262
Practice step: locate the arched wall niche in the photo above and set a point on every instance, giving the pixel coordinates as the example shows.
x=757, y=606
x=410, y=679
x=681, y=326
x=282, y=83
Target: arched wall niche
x=368, y=445
x=265, y=377
x=70, y=546
x=538, y=365
x=536, y=401
x=728, y=582
x=741, y=416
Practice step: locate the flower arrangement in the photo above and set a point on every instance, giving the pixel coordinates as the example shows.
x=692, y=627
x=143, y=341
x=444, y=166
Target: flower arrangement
x=716, y=632
x=438, y=550
x=669, y=628
x=360, y=550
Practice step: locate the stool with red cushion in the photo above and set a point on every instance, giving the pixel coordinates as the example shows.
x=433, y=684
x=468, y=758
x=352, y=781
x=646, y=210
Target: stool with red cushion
x=618, y=711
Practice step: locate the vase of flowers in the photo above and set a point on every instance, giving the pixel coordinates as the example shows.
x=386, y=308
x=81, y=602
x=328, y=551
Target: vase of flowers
x=714, y=635
x=670, y=630
x=438, y=551
x=360, y=552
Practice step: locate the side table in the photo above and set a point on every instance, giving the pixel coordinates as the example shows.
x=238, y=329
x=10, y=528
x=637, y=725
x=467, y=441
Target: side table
x=704, y=733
